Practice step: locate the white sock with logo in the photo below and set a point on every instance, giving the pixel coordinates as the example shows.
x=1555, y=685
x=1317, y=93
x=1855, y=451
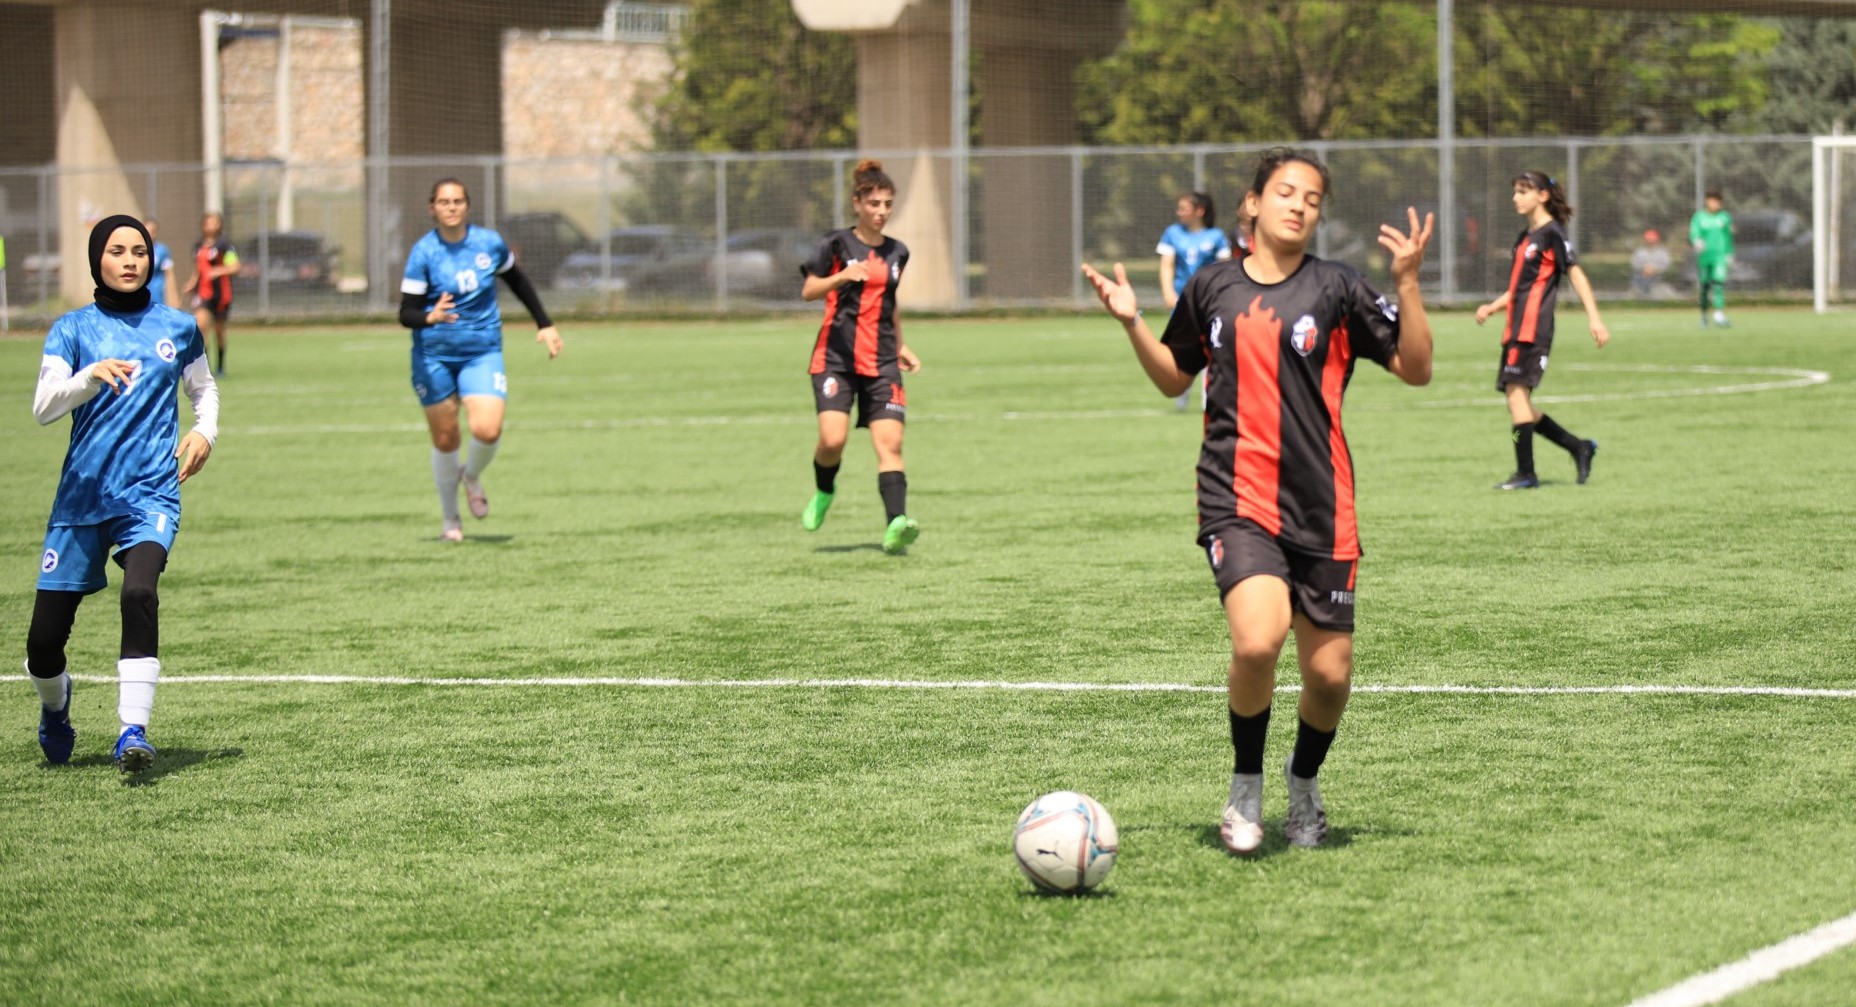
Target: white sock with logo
x=481, y=454
x=135, y=685
x=51, y=690
x=446, y=468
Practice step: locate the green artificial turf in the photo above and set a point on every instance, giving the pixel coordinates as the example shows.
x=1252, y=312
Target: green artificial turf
x=392, y=844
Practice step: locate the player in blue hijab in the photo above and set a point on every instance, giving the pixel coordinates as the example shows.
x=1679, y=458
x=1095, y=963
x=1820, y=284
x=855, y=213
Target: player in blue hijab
x=120, y=488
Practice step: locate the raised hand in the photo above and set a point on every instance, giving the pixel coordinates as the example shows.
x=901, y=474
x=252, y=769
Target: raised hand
x=1407, y=248
x=1117, y=295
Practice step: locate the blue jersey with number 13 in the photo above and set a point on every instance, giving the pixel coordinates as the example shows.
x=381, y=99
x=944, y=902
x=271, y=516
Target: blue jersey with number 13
x=467, y=271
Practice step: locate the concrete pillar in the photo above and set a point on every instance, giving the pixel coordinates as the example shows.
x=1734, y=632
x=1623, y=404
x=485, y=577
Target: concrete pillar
x=445, y=102
x=903, y=96
x=128, y=92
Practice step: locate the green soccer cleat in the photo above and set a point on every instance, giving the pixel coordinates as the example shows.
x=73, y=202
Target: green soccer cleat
x=900, y=534
x=815, y=511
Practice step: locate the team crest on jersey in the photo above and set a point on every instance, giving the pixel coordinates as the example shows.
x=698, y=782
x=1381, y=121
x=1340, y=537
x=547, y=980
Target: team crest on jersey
x=49, y=561
x=1530, y=251
x=830, y=388
x=895, y=271
x=1217, y=329
x=1304, y=336
x=165, y=350
x=483, y=260
x=1214, y=550
x=1386, y=308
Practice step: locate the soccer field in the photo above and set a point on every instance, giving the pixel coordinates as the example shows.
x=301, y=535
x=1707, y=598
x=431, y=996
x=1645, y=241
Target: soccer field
x=645, y=794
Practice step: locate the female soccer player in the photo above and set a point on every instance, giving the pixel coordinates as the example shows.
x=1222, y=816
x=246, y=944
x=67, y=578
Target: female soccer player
x=859, y=354
x=1186, y=246
x=121, y=480
x=448, y=300
x=1279, y=332
x=1711, y=234
x=1542, y=254
x=215, y=263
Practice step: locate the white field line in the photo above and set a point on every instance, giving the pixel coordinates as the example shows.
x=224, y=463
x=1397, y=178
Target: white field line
x=982, y=685
x=1761, y=966
x=1791, y=377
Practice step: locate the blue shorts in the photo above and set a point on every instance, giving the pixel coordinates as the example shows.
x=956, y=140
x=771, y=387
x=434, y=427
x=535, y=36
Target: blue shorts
x=435, y=380
x=75, y=555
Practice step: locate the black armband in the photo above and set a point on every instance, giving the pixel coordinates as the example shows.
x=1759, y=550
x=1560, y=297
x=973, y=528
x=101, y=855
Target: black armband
x=412, y=310
x=525, y=292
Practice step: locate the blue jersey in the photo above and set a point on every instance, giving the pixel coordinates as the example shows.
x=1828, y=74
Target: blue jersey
x=467, y=271
x=121, y=460
x=159, y=262
x=1192, y=249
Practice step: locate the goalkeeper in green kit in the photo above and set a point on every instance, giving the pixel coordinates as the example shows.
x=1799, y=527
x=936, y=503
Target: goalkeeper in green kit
x=1711, y=233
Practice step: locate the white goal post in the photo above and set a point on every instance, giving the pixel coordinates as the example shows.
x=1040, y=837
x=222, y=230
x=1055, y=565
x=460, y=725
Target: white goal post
x=1828, y=210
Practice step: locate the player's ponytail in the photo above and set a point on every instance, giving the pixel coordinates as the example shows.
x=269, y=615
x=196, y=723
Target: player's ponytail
x=868, y=178
x=1557, y=207
x=1202, y=202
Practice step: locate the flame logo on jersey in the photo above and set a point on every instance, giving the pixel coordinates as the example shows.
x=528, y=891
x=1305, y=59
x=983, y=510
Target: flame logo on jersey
x=1304, y=336
x=1217, y=328
x=1214, y=550
x=165, y=350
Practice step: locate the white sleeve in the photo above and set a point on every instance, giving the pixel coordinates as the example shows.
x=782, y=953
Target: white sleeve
x=1164, y=249
x=59, y=390
x=203, y=392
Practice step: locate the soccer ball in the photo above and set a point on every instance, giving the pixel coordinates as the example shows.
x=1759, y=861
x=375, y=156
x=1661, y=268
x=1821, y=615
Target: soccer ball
x=1065, y=842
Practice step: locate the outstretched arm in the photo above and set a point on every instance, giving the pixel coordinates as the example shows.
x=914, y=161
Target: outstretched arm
x=1118, y=297
x=1583, y=287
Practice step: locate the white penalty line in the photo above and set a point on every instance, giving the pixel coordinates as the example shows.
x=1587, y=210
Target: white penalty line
x=980, y=685
x=1759, y=967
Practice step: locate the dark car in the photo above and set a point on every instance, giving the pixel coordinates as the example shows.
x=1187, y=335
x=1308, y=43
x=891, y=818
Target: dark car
x=1772, y=248
x=765, y=263
x=648, y=261
x=288, y=259
x=541, y=242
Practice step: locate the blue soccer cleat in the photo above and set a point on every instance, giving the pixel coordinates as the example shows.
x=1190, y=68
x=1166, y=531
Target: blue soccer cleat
x=133, y=752
x=56, y=736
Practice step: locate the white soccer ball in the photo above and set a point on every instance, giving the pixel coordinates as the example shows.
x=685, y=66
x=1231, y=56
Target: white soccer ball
x=1065, y=842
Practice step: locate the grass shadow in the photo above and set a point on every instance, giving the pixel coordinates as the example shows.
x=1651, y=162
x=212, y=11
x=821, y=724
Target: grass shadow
x=1273, y=842
x=167, y=762
x=865, y=547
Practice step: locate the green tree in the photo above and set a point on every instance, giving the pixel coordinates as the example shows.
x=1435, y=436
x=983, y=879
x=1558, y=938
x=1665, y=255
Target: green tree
x=1811, y=73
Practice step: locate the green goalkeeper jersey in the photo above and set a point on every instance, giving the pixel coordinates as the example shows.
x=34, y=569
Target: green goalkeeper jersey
x=1713, y=232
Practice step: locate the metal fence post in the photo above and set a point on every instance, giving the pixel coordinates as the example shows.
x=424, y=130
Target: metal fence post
x=1076, y=226
x=264, y=247
x=1572, y=190
x=1701, y=171
x=721, y=232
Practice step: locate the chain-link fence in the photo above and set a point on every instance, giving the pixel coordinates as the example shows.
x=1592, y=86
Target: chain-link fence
x=717, y=233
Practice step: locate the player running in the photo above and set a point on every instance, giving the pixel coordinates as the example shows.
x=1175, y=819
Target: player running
x=121, y=481
x=448, y=300
x=1542, y=255
x=161, y=286
x=215, y=263
x=1187, y=245
x=1278, y=333
x=1711, y=233
x=860, y=354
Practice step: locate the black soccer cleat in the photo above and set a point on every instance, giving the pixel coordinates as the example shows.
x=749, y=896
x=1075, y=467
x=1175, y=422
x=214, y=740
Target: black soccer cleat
x=1583, y=459
x=1520, y=481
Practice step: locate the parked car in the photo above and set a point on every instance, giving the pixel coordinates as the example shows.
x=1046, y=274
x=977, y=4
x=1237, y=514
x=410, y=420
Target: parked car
x=765, y=263
x=645, y=260
x=1772, y=248
x=542, y=241
x=299, y=259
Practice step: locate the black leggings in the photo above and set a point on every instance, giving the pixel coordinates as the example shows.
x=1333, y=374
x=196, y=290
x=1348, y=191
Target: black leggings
x=55, y=612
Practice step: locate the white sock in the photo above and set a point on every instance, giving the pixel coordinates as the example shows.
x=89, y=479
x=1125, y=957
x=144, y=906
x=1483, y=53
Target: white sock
x=135, y=690
x=446, y=468
x=1244, y=781
x=51, y=690
x=481, y=454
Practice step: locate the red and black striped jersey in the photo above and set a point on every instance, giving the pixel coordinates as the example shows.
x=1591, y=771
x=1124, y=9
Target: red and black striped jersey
x=1277, y=359
x=1541, y=257
x=858, y=335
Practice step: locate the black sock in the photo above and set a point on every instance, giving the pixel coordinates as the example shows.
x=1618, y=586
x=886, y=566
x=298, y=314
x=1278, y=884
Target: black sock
x=222, y=359
x=825, y=477
x=1558, y=434
x=1524, y=449
x=1311, y=750
x=895, y=489
x=1247, y=737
